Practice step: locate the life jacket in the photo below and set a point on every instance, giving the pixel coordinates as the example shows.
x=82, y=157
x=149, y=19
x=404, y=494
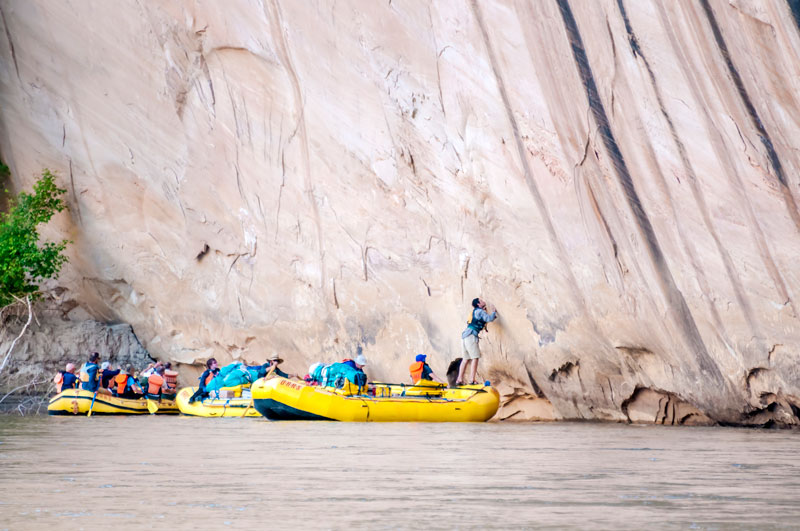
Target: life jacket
x=171, y=377
x=416, y=369
x=59, y=380
x=154, y=383
x=122, y=383
x=476, y=323
x=85, y=368
x=209, y=375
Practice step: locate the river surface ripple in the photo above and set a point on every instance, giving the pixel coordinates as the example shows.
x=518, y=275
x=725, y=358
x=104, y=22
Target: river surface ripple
x=180, y=472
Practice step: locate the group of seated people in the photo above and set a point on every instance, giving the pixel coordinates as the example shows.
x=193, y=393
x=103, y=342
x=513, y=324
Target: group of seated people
x=157, y=380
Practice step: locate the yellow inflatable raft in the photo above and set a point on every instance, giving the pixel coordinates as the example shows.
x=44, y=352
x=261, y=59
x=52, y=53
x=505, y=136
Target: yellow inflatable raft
x=78, y=402
x=282, y=399
x=215, y=407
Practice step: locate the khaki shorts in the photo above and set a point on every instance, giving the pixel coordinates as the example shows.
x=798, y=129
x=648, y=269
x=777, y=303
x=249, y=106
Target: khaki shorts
x=471, y=349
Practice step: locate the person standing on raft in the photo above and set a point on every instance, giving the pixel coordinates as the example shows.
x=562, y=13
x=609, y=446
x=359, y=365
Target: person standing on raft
x=469, y=339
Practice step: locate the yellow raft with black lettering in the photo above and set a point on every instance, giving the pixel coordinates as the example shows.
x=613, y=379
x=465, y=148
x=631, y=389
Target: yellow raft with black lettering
x=236, y=406
x=282, y=399
x=78, y=402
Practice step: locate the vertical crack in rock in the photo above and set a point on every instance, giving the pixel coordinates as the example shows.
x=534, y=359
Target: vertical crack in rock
x=755, y=119
x=74, y=194
x=606, y=227
x=529, y=180
x=10, y=44
x=676, y=302
x=699, y=198
x=283, y=50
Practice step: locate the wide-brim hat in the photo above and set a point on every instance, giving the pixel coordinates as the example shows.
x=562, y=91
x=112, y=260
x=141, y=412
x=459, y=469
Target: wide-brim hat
x=276, y=359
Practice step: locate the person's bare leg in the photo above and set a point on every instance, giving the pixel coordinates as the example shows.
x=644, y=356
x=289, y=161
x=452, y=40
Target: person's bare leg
x=461, y=370
x=474, y=370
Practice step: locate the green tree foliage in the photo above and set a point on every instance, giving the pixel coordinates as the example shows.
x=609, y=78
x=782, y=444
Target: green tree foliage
x=24, y=262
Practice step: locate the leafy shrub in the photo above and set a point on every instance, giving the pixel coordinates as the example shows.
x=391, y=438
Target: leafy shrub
x=24, y=262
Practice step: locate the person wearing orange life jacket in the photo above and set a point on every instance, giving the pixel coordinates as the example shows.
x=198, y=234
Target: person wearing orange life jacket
x=66, y=379
x=212, y=369
x=170, y=380
x=420, y=370
x=124, y=385
x=156, y=383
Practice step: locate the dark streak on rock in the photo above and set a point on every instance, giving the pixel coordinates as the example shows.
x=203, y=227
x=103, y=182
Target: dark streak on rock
x=202, y=253
x=572, y=282
x=689, y=169
x=74, y=196
x=674, y=297
x=755, y=119
x=565, y=371
x=335, y=299
x=794, y=7
x=534, y=385
x=427, y=287
x=10, y=43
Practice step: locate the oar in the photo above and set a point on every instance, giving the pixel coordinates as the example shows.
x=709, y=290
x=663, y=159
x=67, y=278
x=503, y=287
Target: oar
x=152, y=406
x=91, y=407
x=414, y=386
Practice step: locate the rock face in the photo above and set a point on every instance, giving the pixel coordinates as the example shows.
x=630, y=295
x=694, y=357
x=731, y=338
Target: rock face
x=256, y=177
x=53, y=339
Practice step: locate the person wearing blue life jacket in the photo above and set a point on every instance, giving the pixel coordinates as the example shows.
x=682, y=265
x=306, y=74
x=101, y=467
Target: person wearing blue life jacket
x=469, y=339
x=90, y=375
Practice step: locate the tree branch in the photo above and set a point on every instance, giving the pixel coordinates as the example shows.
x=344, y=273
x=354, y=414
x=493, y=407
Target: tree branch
x=24, y=328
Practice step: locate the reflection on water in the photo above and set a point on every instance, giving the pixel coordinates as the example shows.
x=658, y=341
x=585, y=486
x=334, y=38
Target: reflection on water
x=160, y=472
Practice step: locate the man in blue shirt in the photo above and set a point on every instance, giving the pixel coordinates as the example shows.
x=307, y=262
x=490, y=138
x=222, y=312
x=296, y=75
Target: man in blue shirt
x=469, y=339
x=90, y=373
x=66, y=379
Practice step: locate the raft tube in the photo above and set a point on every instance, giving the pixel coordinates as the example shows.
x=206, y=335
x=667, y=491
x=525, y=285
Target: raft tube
x=214, y=407
x=283, y=399
x=78, y=402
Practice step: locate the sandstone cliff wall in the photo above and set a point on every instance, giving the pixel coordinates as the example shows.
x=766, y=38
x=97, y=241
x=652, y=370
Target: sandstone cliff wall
x=256, y=177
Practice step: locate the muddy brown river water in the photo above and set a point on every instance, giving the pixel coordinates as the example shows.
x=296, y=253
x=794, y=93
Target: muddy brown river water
x=195, y=473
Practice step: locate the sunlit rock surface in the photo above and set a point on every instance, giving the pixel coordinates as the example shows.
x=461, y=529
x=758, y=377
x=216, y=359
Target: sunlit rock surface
x=248, y=178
